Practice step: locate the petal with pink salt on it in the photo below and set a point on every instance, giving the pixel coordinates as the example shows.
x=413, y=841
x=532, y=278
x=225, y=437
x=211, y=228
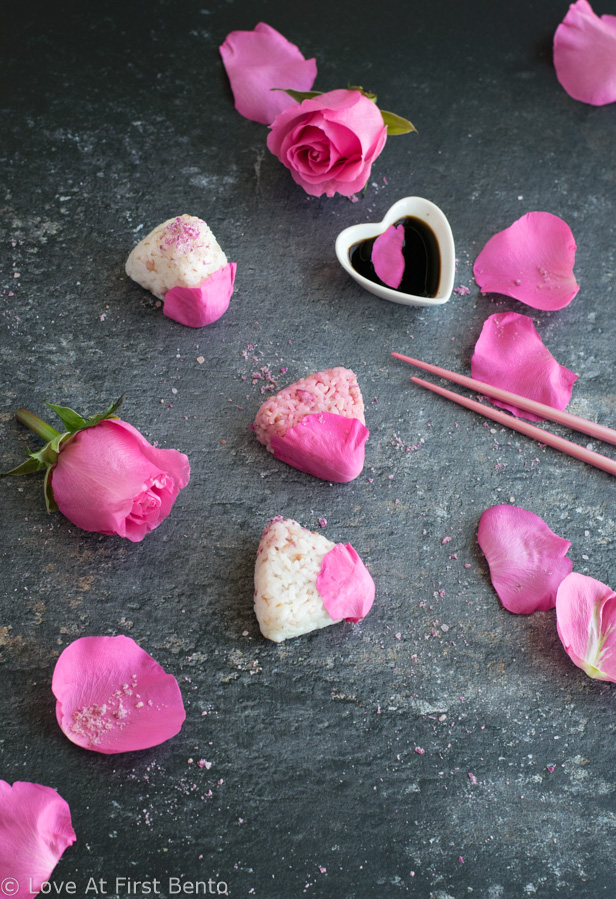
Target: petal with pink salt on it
x=585, y=55
x=586, y=623
x=113, y=697
x=35, y=829
x=387, y=256
x=527, y=560
x=325, y=445
x=531, y=261
x=345, y=584
x=260, y=60
x=510, y=354
x=200, y=306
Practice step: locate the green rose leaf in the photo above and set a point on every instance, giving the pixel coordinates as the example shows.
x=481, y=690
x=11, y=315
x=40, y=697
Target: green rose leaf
x=396, y=124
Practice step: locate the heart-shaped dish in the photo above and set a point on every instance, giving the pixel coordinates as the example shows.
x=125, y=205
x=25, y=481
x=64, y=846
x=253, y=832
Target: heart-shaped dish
x=430, y=215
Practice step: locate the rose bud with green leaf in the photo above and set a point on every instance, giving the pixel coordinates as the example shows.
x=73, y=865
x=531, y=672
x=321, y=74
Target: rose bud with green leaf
x=102, y=474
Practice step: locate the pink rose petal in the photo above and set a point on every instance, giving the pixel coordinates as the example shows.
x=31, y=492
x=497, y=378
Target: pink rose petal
x=345, y=584
x=585, y=55
x=113, y=697
x=325, y=445
x=387, y=257
x=510, y=354
x=586, y=623
x=531, y=261
x=35, y=829
x=527, y=560
x=257, y=61
x=200, y=306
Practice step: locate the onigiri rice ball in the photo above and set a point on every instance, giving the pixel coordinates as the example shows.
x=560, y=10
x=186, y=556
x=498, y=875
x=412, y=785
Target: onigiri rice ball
x=181, y=263
x=317, y=425
x=304, y=582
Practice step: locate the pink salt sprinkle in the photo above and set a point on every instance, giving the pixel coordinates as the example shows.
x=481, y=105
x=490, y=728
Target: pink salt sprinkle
x=445, y=540
x=472, y=777
x=183, y=235
x=203, y=764
x=551, y=768
x=322, y=522
x=419, y=750
x=461, y=291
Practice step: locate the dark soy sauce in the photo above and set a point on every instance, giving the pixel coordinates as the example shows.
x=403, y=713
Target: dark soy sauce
x=422, y=260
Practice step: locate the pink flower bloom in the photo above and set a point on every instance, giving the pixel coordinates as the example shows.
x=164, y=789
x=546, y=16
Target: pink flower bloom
x=585, y=55
x=35, y=829
x=200, y=306
x=257, y=61
x=345, y=584
x=510, y=354
x=113, y=697
x=387, y=256
x=531, y=261
x=329, y=142
x=527, y=560
x=586, y=622
x=109, y=479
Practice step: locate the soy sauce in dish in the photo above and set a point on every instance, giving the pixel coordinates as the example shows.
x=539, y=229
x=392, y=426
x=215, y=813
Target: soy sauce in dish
x=422, y=260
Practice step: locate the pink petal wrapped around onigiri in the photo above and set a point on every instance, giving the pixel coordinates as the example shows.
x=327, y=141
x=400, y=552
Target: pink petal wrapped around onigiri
x=317, y=425
x=304, y=582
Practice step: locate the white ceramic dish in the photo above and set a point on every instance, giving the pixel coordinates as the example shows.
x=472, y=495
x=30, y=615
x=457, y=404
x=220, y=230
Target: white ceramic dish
x=435, y=219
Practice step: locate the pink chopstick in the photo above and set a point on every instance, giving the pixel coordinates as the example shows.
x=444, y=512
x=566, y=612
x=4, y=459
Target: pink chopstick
x=524, y=427
x=599, y=432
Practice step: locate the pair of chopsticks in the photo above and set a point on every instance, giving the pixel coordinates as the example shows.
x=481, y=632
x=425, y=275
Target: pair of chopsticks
x=600, y=432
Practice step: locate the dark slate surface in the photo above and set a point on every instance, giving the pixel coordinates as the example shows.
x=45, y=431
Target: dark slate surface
x=116, y=116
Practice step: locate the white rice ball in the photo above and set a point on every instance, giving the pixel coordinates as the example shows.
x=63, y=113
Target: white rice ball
x=182, y=252
x=287, y=602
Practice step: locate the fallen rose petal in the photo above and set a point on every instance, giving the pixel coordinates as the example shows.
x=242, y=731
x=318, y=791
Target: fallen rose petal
x=527, y=560
x=113, y=697
x=345, y=584
x=110, y=479
x=531, y=261
x=35, y=829
x=257, y=61
x=586, y=623
x=325, y=445
x=510, y=354
x=387, y=256
x=200, y=306
x=585, y=55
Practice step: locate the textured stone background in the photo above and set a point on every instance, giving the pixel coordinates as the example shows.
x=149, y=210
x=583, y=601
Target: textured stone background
x=116, y=116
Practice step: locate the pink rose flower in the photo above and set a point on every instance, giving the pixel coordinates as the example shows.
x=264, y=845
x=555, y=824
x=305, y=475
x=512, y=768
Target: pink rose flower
x=329, y=142
x=109, y=479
